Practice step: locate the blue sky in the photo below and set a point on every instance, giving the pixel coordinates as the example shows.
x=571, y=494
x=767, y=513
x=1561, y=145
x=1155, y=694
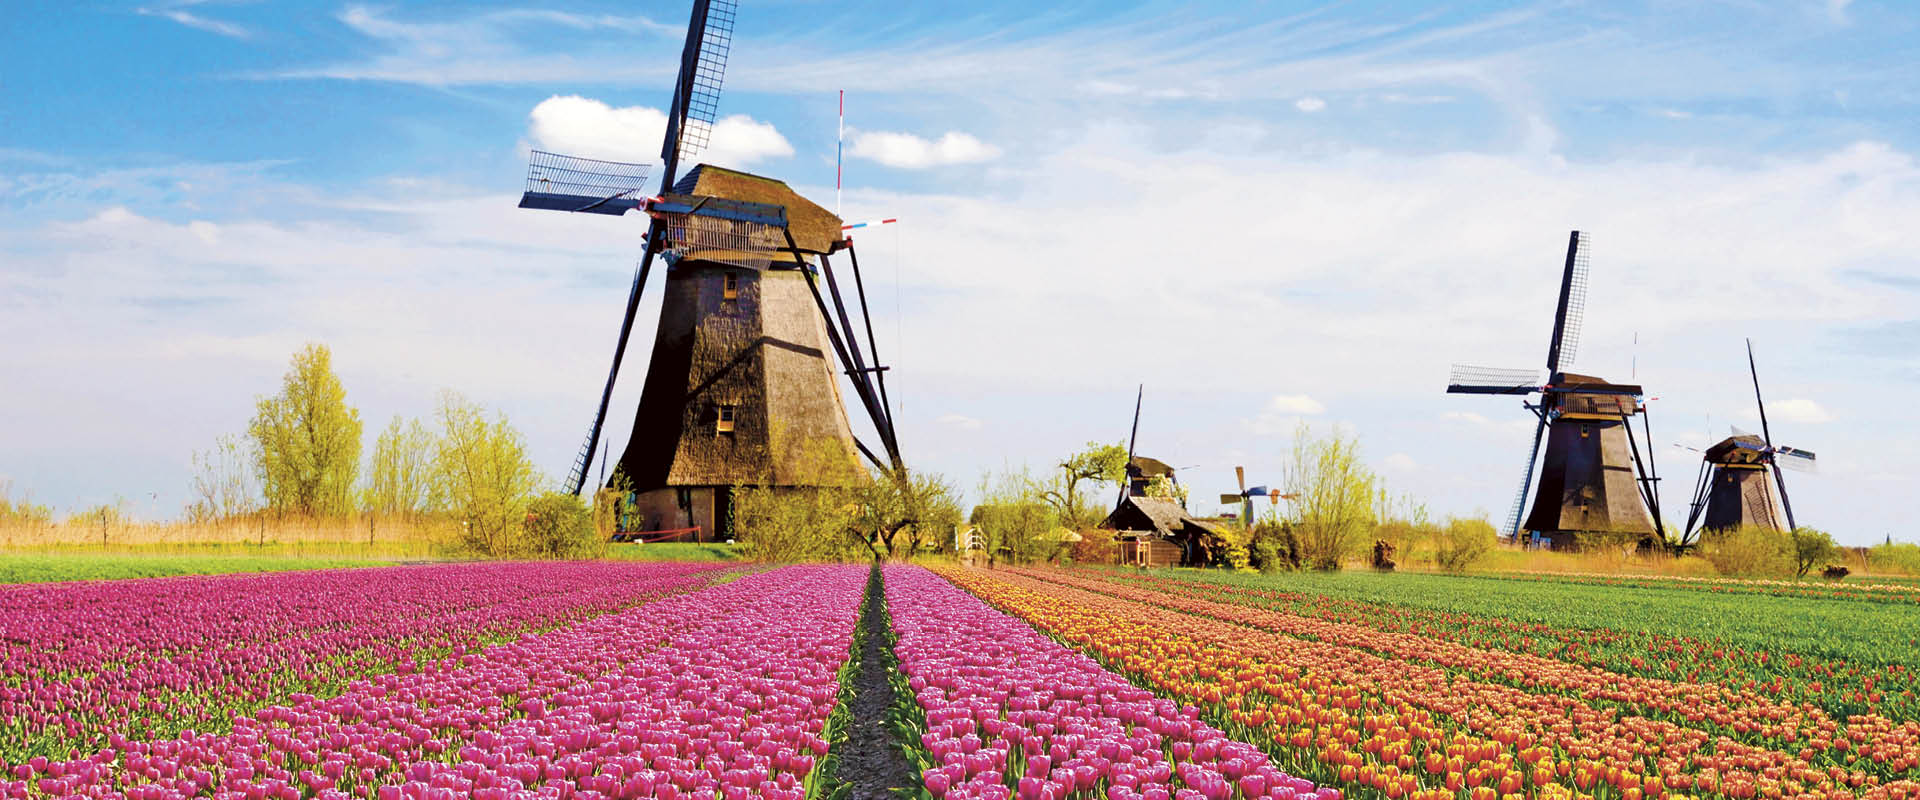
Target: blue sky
x=1265, y=212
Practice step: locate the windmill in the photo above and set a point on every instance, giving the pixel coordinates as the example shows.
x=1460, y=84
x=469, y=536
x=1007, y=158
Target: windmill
x=1732, y=488
x=740, y=384
x=1245, y=496
x=1594, y=478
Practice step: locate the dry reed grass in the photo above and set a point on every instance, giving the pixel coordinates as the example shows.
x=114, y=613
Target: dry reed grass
x=360, y=536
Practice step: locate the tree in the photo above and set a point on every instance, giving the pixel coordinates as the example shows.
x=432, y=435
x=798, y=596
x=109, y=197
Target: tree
x=898, y=514
x=482, y=473
x=223, y=480
x=1463, y=541
x=1333, y=496
x=814, y=521
x=1811, y=548
x=307, y=440
x=1015, y=519
x=559, y=525
x=398, y=479
x=1098, y=463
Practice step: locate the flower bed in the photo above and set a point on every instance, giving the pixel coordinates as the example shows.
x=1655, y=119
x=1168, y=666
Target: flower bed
x=1012, y=712
x=722, y=691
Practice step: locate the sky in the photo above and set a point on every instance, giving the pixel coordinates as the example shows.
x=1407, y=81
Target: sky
x=1265, y=213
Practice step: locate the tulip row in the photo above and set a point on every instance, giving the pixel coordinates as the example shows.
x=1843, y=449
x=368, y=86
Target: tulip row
x=1877, y=590
x=1870, y=743
x=1408, y=729
x=150, y=658
x=1840, y=686
x=1010, y=712
x=717, y=693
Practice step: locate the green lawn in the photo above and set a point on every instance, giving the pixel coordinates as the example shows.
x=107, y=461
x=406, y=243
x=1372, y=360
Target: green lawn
x=40, y=568
x=674, y=551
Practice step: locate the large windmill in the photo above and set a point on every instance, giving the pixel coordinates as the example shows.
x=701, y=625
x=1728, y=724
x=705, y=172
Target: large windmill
x=740, y=388
x=1739, y=477
x=1594, y=479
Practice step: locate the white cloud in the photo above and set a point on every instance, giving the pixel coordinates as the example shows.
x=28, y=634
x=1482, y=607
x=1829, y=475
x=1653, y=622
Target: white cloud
x=1837, y=11
x=1400, y=462
x=1310, y=104
x=1295, y=404
x=907, y=151
x=1792, y=409
x=583, y=126
x=198, y=22
x=960, y=421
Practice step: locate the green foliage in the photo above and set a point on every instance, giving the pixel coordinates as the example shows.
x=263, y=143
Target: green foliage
x=1402, y=522
x=1462, y=541
x=307, y=440
x=1811, y=548
x=481, y=471
x=814, y=522
x=559, y=525
x=1272, y=546
x=1018, y=524
x=1097, y=464
x=1749, y=550
x=1895, y=557
x=899, y=515
x=1332, y=508
x=399, y=476
x=223, y=481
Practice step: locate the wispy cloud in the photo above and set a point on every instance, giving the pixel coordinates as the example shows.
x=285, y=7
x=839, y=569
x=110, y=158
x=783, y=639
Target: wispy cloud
x=490, y=48
x=582, y=126
x=197, y=22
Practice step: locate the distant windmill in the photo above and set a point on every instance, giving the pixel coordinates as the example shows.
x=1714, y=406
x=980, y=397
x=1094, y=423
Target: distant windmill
x=1733, y=489
x=1594, y=479
x=740, y=379
x=1245, y=497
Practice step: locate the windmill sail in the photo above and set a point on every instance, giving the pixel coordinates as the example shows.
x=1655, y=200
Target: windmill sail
x=1466, y=379
x=1795, y=459
x=1526, y=481
x=1573, y=304
x=558, y=182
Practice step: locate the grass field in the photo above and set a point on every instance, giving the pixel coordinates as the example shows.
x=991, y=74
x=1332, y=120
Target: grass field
x=674, y=551
x=41, y=568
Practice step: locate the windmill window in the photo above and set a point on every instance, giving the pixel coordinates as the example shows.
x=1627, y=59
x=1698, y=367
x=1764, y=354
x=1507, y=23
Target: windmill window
x=724, y=422
x=730, y=289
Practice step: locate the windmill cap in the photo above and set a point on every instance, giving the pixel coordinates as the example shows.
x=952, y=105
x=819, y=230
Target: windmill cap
x=814, y=228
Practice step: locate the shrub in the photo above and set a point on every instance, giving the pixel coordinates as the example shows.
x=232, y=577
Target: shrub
x=1272, y=547
x=1811, y=548
x=560, y=525
x=1461, y=542
x=1749, y=550
x=1895, y=557
x=1333, y=497
x=1095, y=547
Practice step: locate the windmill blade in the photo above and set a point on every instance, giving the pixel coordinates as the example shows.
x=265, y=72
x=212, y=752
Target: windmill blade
x=1127, y=479
x=1573, y=304
x=1795, y=459
x=1230, y=499
x=1240, y=474
x=1469, y=379
x=703, y=66
x=1526, y=481
x=558, y=182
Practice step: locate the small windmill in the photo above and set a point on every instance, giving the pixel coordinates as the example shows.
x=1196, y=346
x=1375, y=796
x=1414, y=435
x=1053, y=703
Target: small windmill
x=1732, y=488
x=1594, y=479
x=1245, y=496
x=740, y=358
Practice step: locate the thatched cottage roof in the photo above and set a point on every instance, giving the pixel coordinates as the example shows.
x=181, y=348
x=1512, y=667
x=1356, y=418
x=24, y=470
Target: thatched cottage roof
x=1163, y=517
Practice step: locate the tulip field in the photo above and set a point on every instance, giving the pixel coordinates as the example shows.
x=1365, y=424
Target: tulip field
x=724, y=681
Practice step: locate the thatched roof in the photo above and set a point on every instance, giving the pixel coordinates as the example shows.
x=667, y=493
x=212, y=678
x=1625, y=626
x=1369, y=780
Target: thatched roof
x=815, y=229
x=1163, y=517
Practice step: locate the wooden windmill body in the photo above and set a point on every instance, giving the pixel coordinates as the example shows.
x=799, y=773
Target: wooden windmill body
x=1740, y=482
x=742, y=386
x=1595, y=481
x=1740, y=486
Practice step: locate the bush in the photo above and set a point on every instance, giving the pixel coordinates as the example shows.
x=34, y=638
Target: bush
x=1749, y=550
x=559, y=525
x=1095, y=547
x=1273, y=547
x=1461, y=542
x=1895, y=557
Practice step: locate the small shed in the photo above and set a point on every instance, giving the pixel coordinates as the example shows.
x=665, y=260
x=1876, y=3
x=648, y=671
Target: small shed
x=1156, y=532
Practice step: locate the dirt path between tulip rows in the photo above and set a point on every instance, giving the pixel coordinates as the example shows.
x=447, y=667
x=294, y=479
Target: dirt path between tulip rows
x=871, y=763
